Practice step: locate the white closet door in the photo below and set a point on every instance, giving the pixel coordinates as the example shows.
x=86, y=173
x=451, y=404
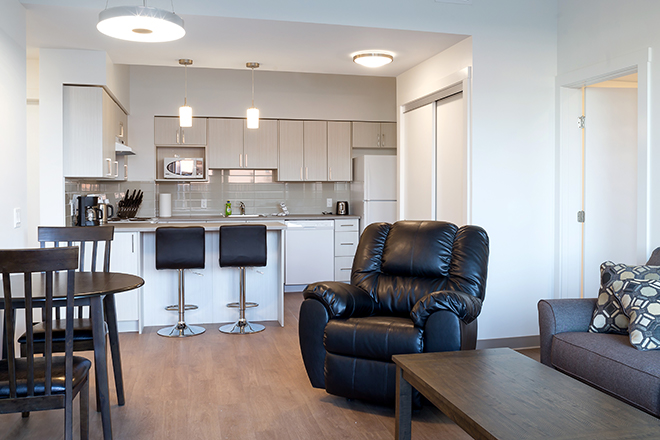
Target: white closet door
x=418, y=163
x=451, y=160
x=610, y=181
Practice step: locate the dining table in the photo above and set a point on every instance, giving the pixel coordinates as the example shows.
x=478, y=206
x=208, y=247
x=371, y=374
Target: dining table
x=96, y=289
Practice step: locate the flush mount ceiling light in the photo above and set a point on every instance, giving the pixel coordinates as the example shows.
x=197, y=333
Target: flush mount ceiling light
x=252, y=112
x=185, y=111
x=373, y=58
x=140, y=23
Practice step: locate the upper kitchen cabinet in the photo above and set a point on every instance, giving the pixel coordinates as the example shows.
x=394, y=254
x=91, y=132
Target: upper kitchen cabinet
x=339, y=151
x=315, y=146
x=374, y=134
x=168, y=132
x=225, y=143
x=92, y=122
x=291, y=163
x=232, y=145
x=303, y=151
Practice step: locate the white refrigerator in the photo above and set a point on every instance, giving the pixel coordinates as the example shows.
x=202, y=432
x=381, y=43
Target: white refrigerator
x=373, y=190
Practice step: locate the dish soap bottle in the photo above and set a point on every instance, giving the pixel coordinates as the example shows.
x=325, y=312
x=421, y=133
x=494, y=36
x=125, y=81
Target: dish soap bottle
x=227, y=208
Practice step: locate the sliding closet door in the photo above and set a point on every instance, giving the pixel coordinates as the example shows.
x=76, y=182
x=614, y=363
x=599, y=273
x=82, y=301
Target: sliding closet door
x=451, y=160
x=418, y=164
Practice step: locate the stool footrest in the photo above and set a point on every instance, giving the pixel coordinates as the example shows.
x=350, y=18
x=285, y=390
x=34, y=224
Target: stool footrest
x=175, y=307
x=236, y=305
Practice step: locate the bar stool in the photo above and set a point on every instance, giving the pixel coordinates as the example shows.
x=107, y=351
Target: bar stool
x=180, y=248
x=242, y=246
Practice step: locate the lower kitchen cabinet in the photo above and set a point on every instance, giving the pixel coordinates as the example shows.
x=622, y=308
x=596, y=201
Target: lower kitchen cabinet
x=125, y=257
x=347, y=236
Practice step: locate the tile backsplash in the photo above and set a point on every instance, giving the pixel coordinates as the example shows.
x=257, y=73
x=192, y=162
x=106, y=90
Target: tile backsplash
x=257, y=189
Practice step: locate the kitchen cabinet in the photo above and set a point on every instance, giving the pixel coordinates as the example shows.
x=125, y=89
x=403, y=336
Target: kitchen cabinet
x=125, y=257
x=168, y=132
x=92, y=121
x=347, y=236
x=225, y=143
x=339, y=152
x=260, y=145
x=303, y=152
x=374, y=135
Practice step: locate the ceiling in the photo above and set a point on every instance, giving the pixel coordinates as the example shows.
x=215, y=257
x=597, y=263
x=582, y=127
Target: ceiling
x=228, y=43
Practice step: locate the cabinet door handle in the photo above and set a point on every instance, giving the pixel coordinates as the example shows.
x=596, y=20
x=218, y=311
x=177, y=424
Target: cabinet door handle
x=301, y=175
x=378, y=141
x=306, y=173
x=177, y=136
x=109, y=161
x=125, y=171
x=347, y=244
x=240, y=160
x=121, y=129
x=183, y=136
x=116, y=169
x=132, y=244
x=383, y=141
x=330, y=173
x=246, y=165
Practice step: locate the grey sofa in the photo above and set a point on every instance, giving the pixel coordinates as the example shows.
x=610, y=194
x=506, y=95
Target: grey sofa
x=606, y=361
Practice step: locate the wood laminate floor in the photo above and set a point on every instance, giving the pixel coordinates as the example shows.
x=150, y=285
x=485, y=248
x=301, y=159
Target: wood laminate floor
x=218, y=386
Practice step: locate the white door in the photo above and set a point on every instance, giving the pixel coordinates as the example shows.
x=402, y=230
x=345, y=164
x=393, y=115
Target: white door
x=418, y=164
x=451, y=160
x=610, y=180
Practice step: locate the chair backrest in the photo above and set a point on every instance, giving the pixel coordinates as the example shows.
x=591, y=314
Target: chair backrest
x=26, y=262
x=400, y=263
x=180, y=247
x=86, y=238
x=243, y=246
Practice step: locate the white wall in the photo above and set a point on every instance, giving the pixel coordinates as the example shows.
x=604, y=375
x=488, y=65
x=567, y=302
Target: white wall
x=513, y=57
x=13, y=93
x=58, y=67
x=227, y=93
x=595, y=32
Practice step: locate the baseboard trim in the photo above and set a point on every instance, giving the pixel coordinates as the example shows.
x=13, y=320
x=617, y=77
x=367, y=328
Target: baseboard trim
x=518, y=342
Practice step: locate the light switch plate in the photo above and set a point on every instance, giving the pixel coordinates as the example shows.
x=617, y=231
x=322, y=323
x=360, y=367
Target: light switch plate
x=328, y=203
x=203, y=203
x=17, y=218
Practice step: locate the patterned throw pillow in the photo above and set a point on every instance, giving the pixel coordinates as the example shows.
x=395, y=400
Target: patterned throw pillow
x=609, y=316
x=641, y=302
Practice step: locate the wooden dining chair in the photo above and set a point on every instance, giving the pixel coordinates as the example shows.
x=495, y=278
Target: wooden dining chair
x=47, y=382
x=93, y=257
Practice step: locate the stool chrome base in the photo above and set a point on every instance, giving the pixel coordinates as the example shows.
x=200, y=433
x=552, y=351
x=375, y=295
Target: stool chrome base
x=181, y=331
x=241, y=327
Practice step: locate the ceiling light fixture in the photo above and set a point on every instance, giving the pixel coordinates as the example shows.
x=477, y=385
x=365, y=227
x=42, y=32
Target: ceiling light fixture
x=373, y=58
x=140, y=23
x=252, y=112
x=185, y=111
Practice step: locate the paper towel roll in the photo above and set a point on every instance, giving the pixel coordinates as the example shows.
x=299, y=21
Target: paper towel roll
x=165, y=205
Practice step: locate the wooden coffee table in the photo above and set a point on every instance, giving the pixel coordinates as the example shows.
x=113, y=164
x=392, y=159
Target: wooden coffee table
x=501, y=394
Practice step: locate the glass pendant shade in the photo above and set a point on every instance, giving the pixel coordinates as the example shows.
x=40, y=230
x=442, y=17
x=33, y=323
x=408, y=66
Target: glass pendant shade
x=140, y=23
x=185, y=116
x=253, y=118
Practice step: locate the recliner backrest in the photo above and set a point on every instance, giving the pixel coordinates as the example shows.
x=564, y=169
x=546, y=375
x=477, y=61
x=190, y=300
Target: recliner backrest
x=400, y=263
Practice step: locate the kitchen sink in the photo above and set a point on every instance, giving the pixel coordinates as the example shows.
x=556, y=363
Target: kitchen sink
x=246, y=215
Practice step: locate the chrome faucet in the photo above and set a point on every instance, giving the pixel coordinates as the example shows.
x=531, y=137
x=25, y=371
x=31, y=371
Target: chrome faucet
x=241, y=206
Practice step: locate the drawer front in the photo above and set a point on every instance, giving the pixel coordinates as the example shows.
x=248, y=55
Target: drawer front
x=345, y=243
x=343, y=267
x=346, y=225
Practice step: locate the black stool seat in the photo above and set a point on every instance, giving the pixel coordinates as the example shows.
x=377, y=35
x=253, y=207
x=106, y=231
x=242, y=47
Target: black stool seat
x=242, y=246
x=180, y=248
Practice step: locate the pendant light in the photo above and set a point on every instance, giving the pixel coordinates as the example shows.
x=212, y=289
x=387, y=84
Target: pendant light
x=372, y=58
x=253, y=112
x=185, y=111
x=140, y=23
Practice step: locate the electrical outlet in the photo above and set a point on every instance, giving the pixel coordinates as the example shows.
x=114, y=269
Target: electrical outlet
x=203, y=203
x=328, y=203
x=17, y=218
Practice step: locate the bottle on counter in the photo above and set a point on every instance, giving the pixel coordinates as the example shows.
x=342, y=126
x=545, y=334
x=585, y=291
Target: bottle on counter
x=227, y=208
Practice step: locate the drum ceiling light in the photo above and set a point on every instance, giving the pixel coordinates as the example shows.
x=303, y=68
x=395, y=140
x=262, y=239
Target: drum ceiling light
x=373, y=58
x=141, y=23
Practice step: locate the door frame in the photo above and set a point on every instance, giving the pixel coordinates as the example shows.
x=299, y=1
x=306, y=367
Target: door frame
x=459, y=81
x=566, y=87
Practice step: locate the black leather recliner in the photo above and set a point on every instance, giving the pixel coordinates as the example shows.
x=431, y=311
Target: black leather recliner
x=416, y=286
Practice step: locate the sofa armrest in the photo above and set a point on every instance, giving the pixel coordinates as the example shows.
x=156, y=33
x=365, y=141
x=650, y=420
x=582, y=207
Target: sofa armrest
x=466, y=307
x=561, y=316
x=340, y=299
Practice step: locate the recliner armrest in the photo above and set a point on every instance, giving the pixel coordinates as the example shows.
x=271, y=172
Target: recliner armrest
x=466, y=307
x=342, y=300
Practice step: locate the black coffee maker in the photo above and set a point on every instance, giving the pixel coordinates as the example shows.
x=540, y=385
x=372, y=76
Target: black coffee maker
x=89, y=213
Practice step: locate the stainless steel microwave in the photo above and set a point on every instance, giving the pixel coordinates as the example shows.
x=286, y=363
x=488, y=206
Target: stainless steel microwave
x=183, y=168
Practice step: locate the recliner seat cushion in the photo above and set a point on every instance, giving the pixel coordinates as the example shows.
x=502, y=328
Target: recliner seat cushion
x=373, y=337
x=608, y=362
